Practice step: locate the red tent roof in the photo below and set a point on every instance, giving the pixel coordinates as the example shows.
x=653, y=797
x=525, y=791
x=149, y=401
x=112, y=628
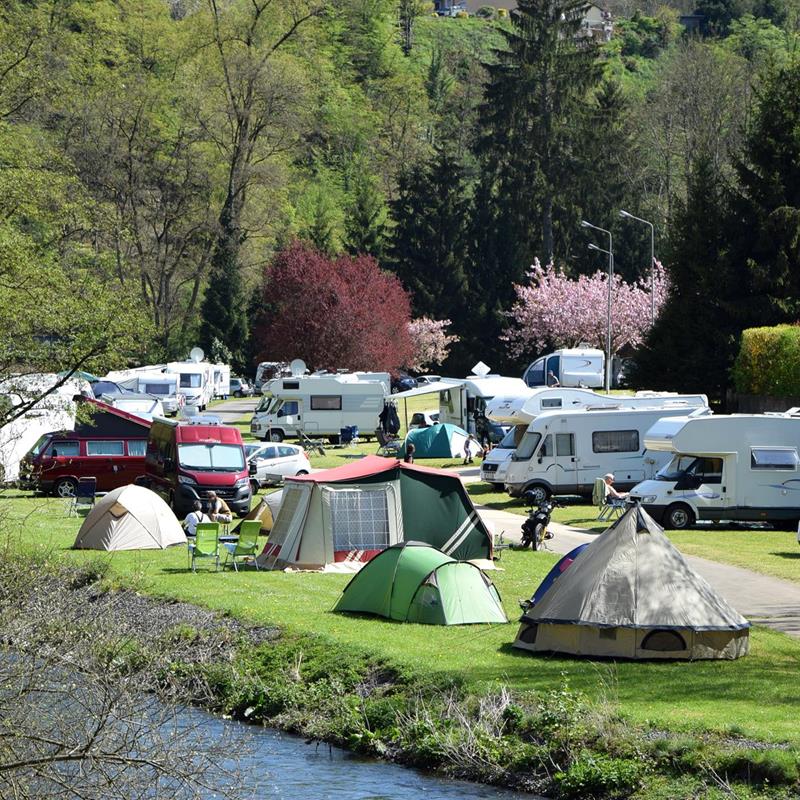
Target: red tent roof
x=364, y=467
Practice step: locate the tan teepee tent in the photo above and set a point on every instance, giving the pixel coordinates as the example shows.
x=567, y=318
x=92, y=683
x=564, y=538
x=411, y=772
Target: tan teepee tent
x=631, y=594
x=130, y=518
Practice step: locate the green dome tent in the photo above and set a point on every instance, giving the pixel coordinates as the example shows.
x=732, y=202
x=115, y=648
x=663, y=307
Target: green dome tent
x=437, y=441
x=414, y=582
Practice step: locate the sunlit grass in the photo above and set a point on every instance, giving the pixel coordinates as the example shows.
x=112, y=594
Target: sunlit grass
x=756, y=694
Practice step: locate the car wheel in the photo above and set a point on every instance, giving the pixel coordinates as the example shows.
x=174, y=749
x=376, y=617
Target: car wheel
x=66, y=487
x=537, y=494
x=254, y=487
x=678, y=517
x=275, y=436
x=237, y=393
x=498, y=487
x=303, y=472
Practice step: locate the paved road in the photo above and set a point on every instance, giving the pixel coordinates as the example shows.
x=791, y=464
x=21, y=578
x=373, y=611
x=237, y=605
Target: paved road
x=760, y=598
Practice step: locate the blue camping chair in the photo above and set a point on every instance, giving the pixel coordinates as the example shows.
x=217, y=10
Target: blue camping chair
x=84, y=496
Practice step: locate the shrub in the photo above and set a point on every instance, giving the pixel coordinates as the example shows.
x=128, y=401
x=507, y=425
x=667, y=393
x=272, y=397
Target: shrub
x=487, y=12
x=596, y=776
x=769, y=361
x=759, y=767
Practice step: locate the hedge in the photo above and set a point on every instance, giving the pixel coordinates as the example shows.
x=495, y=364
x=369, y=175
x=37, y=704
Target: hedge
x=769, y=361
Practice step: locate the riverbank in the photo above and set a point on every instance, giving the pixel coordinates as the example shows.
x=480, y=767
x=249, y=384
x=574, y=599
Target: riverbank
x=554, y=739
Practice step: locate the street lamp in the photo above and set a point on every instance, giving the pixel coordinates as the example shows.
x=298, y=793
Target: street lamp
x=627, y=215
x=610, y=253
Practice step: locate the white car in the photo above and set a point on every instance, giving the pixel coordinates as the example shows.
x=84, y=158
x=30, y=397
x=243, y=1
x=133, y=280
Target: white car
x=275, y=461
x=424, y=419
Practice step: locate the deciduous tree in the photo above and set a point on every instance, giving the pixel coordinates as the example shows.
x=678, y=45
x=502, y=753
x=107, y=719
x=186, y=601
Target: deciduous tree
x=430, y=342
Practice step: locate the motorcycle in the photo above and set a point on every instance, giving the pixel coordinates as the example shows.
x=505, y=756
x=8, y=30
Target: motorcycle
x=534, y=529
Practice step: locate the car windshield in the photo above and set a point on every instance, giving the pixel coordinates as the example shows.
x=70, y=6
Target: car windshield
x=676, y=468
x=191, y=380
x=250, y=450
x=527, y=447
x=39, y=446
x=225, y=457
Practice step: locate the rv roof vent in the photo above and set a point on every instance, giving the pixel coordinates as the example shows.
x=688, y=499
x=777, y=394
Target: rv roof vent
x=610, y=406
x=297, y=367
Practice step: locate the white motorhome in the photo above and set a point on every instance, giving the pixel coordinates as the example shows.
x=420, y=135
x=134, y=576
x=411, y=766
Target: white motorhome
x=317, y=405
x=562, y=452
x=161, y=385
x=55, y=411
x=519, y=411
x=461, y=401
x=195, y=381
x=221, y=378
x=572, y=367
x=737, y=467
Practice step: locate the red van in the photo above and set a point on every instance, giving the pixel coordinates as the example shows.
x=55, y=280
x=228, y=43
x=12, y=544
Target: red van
x=185, y=461
x=107, y=444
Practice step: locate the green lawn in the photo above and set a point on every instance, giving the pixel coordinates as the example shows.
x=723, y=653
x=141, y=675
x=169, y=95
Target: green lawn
x=755, y=695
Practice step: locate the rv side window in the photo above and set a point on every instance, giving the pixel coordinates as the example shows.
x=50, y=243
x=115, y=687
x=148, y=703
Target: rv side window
x=291, y=385
x=546, y=450
x=157, y=388
x=615, y=442
x=191, y=380
x=551, y=402
x=65, y=449
x=446, y=399
x=326, y=402
x=768, y=458
x=534, y=375
x=102, y=448
x=137, y=448
x=527, y=447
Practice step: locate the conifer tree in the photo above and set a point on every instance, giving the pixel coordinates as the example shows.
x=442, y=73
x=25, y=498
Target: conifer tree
x=365, y=219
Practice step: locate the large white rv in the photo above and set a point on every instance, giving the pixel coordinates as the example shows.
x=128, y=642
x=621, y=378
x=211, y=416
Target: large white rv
x=571, y=367
x=738, y=467
x=562, y=452
x=317, y=405
x=195, y=381
x=521, y=410
x=462, y=400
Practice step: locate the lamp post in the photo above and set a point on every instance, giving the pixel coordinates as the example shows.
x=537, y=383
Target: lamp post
x=610, y=253
x=628, y=215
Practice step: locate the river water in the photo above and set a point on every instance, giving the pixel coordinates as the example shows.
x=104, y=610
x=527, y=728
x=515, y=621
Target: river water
x=279, y=766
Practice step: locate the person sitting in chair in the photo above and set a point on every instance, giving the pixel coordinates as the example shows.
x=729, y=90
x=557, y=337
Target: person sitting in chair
x=611, y=491
x=218, y=509
x=194, y=518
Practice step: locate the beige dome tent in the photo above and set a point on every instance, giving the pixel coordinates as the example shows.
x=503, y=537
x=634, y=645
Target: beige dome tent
x=631, y=594
x=130, y=518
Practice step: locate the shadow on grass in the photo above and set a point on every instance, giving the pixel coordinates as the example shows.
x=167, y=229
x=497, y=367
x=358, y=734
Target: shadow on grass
x=788, y=556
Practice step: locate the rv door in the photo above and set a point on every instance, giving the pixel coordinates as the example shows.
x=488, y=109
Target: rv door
x=556, y=461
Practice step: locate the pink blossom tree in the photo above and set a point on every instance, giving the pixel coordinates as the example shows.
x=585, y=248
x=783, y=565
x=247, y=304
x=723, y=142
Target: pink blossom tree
x=430, y=342
x=557, y=311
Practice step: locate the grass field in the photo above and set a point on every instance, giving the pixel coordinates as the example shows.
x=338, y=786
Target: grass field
x=755, y=695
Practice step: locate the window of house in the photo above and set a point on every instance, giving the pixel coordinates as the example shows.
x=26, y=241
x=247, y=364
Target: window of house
x=615, y=442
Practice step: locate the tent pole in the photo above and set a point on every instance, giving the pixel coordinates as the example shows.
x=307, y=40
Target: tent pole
x=405, y=412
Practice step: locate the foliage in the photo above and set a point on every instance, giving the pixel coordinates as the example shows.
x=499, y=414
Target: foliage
x=333, y=313
x=557, y=311
x=593, y=776
x=769, y=361
x=430, y=342
x=647, y=36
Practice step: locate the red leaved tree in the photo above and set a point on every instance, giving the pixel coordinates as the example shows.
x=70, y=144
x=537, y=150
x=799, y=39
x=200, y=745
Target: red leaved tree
x=333, y=313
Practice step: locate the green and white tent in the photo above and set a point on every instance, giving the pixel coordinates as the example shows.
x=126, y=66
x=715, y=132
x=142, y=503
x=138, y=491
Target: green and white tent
x=414, y=582
x=340, y=518
x=438, y=441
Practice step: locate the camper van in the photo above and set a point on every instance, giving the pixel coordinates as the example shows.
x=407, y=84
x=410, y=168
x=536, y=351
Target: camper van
x=562, y=452
x=186, y=461
x=195, y=381
x=573, y=367
x=738, y=467
x=318, y=405
x=107, y=444
x=520, y=411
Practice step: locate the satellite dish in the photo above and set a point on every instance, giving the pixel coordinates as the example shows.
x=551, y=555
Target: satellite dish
x=297, y=367
x=481, y=370
x=196, y=354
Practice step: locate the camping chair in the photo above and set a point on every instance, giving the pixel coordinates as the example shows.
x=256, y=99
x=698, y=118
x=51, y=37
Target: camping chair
x=84, y=496
x=609, y=506
x=388, y=446
x=205, y=544
x=247, y=545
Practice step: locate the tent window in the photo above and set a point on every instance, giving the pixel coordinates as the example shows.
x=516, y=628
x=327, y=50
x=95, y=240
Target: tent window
x=663, y=641
x=291, y=501
x=528, y=634
x=359, y=520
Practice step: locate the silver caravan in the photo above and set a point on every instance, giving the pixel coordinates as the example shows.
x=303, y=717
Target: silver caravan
x=520, y=411
x=562, y=452
x=317, y=405
x=738, y=467
x=572, y=367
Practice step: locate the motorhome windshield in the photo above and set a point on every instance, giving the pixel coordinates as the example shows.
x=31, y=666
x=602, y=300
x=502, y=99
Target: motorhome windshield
x=677, y=467
x=512, y=438
x=191, y=380
x=265, y=403
x=162, y=389
x=225, y=457
x=527, y=447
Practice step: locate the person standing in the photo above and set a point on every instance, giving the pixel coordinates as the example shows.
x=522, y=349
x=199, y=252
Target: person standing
x=470, y=447
x=410, y=449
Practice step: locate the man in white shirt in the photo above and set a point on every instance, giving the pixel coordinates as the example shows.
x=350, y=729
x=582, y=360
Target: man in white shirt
x=194, y=518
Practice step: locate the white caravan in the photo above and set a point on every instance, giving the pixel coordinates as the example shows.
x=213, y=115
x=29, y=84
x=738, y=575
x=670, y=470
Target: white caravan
x=55, y=411
x=521, y=410
x=151, y=380
x=221, y=379
x=317, y=405
x=562, y=452
x=737, y=467
x=461, y=401
x=194, y=381
x=572, y=367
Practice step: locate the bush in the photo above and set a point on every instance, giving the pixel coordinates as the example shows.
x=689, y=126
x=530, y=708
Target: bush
x=487, y=12
x=769, y=361
x=596, y=776
x=760, y=767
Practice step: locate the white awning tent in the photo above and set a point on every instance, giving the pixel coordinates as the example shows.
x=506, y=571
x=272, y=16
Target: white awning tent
x=631, y=594
x=130, y=518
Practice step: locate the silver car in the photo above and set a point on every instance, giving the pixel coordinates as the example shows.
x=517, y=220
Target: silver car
x=275, y=461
